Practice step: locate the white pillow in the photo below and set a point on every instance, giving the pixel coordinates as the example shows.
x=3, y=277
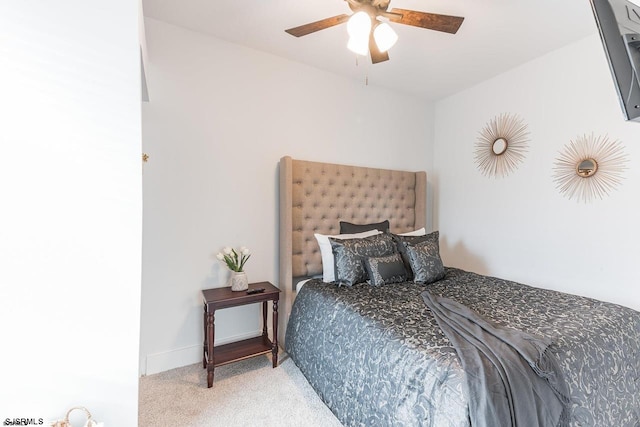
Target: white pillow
x=418, y=232
x=328, y=269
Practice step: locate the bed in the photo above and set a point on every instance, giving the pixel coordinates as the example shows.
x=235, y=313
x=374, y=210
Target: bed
x=376, y=355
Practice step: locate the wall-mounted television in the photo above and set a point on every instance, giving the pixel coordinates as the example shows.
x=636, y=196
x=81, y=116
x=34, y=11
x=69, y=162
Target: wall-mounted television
x=619, y=25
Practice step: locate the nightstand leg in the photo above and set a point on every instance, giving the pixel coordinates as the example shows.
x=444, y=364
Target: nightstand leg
x=204, y=349
x=210, y=337
x=264, y=319
x=274, y=348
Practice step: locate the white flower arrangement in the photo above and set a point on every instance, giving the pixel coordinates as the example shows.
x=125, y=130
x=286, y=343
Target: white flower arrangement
x=235, y=260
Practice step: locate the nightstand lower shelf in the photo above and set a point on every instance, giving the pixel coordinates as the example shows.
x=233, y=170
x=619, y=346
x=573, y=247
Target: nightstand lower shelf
x=240, y=350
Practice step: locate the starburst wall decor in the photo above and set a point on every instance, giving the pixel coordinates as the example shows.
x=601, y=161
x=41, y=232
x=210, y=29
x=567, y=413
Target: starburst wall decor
x=589, y=167
x=501, y=145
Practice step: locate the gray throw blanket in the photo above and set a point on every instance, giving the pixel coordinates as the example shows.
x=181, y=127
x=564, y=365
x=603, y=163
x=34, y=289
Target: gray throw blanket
x=512, y=377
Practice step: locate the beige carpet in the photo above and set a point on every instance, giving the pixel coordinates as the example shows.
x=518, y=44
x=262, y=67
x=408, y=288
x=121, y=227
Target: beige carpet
x=245, y=393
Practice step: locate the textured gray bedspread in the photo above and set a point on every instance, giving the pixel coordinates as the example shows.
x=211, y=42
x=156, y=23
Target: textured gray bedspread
x=511, y=378
x=377, y=357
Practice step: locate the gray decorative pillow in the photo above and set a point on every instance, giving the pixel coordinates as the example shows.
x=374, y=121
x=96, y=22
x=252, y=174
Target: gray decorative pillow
x=425, y=261
x=404, y=241
x=385, y=270
x=349, y=228
x=348, y=255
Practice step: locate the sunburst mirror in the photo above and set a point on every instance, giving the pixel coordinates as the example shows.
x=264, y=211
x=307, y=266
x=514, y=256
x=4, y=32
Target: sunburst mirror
x=589, y=167
x=501, y=145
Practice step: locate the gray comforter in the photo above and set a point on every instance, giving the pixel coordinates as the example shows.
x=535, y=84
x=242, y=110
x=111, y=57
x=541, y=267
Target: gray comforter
x=377, y=357
x=512, y=377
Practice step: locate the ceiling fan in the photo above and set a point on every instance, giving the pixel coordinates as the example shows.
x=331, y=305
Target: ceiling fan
x=369, y=34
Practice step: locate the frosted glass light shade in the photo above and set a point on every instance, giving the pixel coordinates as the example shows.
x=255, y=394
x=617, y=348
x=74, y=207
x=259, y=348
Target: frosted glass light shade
x=384, y=36
x=359, y=25
x=358, y=45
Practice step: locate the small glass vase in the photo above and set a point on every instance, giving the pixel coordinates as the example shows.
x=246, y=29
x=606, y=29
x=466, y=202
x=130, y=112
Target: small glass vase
x=238, y=281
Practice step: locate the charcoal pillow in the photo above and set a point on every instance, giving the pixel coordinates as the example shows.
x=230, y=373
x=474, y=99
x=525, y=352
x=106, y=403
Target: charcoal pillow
x=328, y=265
x=348, y=256
x=402, y=241
x=385, y=270
x=349, y=228
x=425, y=261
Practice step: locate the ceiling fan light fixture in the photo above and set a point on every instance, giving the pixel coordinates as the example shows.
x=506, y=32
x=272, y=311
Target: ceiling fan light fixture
x=359, y=25
x=358, y=45
x=368, y=30
x=384, y=36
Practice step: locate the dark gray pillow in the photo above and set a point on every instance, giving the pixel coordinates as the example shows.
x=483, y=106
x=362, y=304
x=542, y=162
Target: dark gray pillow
x=425, y=261
x=349, y=228
x=348, y=255
x=385, y=270
x=403, y=241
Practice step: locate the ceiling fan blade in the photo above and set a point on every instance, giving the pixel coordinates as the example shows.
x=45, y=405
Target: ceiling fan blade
x=431, y=21
x=376, y=55
x=312, y=27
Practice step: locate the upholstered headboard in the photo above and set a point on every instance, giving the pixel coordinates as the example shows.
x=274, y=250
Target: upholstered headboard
x=315, y=197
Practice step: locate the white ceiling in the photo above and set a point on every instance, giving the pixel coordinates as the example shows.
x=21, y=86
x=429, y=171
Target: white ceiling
x=496, y=35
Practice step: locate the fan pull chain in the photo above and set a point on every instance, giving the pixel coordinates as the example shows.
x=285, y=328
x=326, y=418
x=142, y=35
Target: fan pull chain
x=366, y=76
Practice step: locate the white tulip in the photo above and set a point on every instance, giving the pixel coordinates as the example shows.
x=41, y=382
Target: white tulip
x=245, y=251
x=220, y=256
x=227, y=250
x=243, y=248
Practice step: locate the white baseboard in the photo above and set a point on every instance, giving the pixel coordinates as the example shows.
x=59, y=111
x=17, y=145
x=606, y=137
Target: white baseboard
x=160, y=362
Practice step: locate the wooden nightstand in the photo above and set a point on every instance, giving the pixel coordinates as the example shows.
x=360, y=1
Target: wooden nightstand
x=218, y=298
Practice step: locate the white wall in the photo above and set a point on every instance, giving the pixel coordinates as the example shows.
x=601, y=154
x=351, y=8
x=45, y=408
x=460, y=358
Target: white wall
x=520, y=227
x=220, y=118
x=71, y=209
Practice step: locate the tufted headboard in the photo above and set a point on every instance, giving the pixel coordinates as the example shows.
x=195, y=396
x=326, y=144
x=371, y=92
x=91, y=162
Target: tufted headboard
x=315, y=197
